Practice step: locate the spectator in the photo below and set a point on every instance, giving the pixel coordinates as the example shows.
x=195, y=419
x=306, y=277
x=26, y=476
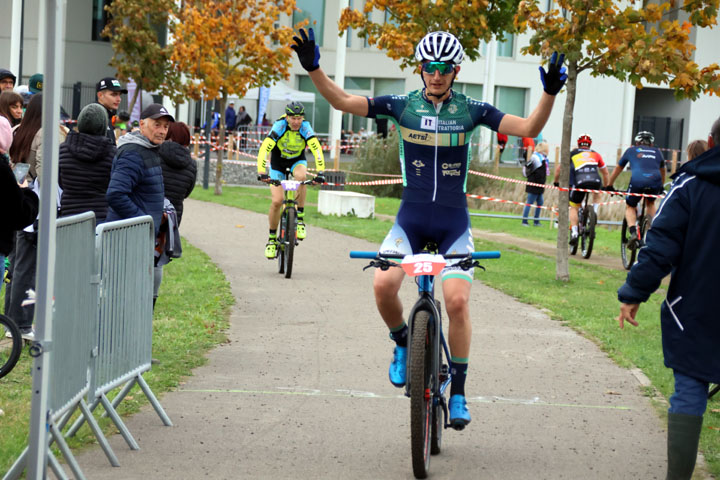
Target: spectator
x=528, y=145
x=230, y=116
x=26, y=148
x=694, y=149
x=502, y=140
x=265, y=121
x=136, y=182
x=109, y=94
x=179, y=171
x=7, y=80
x=681, y=243
x=86, y=159
x=19, y=205
x=536, y=172
x=243, y=118
x=35, y=84
x=178, y=167
x=121, y=123
x=11, y=107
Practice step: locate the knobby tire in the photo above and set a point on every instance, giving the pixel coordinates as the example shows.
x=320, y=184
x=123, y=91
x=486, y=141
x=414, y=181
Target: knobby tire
x=588, y=237
x=10, y=347
x=421, y=378
x=627, y=253
x=290, y=238
x=281, y=245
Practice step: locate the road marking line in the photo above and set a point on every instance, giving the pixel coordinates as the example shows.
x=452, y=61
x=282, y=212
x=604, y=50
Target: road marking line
x=343, y=393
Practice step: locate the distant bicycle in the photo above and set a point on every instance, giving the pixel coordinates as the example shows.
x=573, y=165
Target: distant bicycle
x=287, y=236
x=10, y=345
x=628, y=249
x=587, y=220
x=428, y=354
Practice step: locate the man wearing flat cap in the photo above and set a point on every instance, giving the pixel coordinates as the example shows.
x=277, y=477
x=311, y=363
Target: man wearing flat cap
x=136, y=181
x=109, y=94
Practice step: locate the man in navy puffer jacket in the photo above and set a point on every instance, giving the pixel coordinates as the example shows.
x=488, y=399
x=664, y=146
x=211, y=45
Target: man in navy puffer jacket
x=136, y=181
x=683, y=241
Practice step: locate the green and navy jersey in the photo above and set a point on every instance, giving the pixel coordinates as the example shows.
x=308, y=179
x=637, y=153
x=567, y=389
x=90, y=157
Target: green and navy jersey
x=435, y=144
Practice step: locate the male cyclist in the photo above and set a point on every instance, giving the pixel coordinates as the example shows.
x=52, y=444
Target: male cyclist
x=435, y=125
x=584, y=166
x=286, y=144
x=648, y=175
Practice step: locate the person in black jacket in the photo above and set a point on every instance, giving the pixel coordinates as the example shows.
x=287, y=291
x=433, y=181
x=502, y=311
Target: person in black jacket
x=683, y=242
x=178, y=166
x=109, y=93
x=179, y=174
x=536, y=172
x=85, y=162
x=18, y=206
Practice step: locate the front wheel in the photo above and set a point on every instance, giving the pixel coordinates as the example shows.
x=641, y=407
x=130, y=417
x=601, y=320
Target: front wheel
x=421, y=392
x=10, y=345
x=281, y=245
x=289, y=239
x=588, y=236
x=626, y=252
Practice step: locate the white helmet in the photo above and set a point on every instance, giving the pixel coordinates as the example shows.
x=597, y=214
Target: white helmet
x=439, y=47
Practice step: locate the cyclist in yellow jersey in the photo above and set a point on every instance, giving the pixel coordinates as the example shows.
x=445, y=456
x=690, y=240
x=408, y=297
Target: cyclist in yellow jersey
x=286, y=144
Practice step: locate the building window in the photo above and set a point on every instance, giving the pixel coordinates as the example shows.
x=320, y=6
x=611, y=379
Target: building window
x=314, y=11
x=99, y=19
x=357, y=83
x=506, y=47
x=321, y=107
x=511, y=100
x=389, y=86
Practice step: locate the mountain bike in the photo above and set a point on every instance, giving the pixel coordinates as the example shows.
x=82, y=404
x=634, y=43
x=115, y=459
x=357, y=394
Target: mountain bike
x=629, y=250
x=428, y=354
x=287, y=235
x=11, y=343
x=587, y=220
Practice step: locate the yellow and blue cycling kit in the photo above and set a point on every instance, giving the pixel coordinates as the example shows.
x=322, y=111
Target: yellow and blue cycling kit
x=287, y=149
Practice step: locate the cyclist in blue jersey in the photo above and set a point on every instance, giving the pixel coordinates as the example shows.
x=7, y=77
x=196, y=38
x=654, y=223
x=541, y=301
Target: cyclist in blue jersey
x=435, y=125
x=648, y=175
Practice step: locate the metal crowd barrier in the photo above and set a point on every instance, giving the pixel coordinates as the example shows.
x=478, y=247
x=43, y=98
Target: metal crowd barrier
x=74, y=337
x=102, y=330
x=124, y=252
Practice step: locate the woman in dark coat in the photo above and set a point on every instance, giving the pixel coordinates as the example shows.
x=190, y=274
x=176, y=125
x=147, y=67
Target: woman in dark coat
x=85, y=163
x=179, y=174
x=179, y=168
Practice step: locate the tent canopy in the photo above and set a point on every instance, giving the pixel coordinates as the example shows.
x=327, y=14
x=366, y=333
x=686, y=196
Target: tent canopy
x=280, y=95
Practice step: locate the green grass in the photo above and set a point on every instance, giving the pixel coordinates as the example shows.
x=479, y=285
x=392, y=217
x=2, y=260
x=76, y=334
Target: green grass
x=587, y=303
x=190, y=318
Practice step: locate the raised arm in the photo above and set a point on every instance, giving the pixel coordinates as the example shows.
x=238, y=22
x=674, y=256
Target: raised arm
x=309, y=55
x=553, y=81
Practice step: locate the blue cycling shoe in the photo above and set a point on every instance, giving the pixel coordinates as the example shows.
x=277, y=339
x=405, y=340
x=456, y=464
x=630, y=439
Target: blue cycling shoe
x=398, y=367
x=459, y=414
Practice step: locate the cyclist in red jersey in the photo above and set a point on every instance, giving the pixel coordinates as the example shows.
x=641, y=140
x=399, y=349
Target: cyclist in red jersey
x=584, y=166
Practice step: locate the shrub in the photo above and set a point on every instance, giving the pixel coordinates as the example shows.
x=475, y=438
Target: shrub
x=381, y=156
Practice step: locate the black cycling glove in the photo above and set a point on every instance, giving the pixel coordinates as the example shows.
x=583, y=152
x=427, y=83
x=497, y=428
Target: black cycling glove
x=308, y=53
x=554, y=79
x=320, y=178
x=263, y=177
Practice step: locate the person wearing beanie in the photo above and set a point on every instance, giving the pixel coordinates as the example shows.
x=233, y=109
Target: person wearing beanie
x=7, y=80
x=85, y=163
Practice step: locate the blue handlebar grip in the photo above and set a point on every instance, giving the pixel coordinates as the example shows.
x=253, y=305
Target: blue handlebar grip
x=361, y=254
x=488, y=254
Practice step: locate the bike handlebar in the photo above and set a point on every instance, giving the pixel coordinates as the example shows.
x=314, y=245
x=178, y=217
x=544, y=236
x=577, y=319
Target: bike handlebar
x=277, y=183
x=474, y=256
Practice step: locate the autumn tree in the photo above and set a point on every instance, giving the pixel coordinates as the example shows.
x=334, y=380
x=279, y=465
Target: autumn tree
x=226, y=47
x=133, y=29
x=614, y=39
x=471, y=21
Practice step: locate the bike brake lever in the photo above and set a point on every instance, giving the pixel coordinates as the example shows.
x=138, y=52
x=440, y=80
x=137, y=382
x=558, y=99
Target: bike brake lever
x=469, y=263
x=381, y=264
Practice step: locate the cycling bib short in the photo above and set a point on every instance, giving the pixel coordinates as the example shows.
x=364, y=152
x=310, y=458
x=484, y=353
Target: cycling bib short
x=419, y=223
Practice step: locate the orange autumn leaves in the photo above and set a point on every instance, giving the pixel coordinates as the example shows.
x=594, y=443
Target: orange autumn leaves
x=639, y=45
